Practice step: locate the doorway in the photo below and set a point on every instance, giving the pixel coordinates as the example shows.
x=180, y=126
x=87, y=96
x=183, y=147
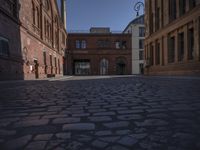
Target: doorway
x=120, y=67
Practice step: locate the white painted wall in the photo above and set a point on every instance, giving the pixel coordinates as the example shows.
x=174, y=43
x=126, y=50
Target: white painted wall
x=134, y=29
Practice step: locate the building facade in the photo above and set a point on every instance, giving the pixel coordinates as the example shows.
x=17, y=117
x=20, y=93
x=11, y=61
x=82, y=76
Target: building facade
x=98, y=52
x=172, y=43
x=35, y=38
x=137, y=29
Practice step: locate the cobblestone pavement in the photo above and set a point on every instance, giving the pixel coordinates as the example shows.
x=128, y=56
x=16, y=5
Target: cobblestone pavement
x=140, y=113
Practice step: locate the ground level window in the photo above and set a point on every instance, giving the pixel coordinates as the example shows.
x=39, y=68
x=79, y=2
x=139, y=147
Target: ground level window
x=4, y=46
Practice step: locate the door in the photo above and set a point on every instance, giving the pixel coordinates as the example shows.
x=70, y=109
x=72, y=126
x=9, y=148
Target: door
x=120, y=67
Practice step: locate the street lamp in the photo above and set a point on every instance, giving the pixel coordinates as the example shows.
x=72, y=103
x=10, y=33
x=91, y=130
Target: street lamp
x=137, y=7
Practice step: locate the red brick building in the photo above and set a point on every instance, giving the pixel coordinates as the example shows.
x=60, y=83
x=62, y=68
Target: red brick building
x=33, y=39
x=99, y=52
x=172, y=43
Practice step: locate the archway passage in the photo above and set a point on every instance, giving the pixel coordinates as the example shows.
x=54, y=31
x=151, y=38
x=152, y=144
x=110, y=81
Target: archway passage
x=104, y=67
x=120, y=66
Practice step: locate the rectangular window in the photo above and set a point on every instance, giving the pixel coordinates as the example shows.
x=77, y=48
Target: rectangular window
x=4, y=47
x=83, y=44
x=78, y=44
x=51, y=64
x=172, y=10
x=171, y=49
x=141, y=44
x=55, y=62
x=157, y=53
x=141, y=55
x=180, y=46
x=151, y=25
x=192, y=4
x=63, y=38
x=141, y=32
x=191, y=44
x=44, y=58
x=151, y=56
x=182, y=7
x=117, y=45
x=157, y=18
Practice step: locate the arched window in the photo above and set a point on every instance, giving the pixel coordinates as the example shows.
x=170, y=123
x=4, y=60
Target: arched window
x=104, y=67
x=38, y=17
x=33, y=13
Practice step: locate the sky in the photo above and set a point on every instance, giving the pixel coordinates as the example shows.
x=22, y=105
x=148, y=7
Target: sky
x=116, y=14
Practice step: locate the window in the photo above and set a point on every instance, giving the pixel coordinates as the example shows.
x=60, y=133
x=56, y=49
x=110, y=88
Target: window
x=172, y=10
x=182, y=7
x=151, y=56
x=124, y=45
x=141, y=44
x=157, y=20
x=78, y=45
x=192, y=4
x=180, y=46
x=83, y=44
x=117, y=45
x=171, y=49
x=63, y=38
x=4, y=47
x=44, y=58
x=157, y=53
x=141, y=31
x=191, y=44
x=157, y=16
x=141, y=55
x=103, y=43
x=121, y=45
x=33, y=13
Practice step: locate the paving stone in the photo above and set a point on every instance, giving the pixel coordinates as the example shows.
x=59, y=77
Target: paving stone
x=84, y=138
x=38, y=145
x=110, y=138
x=79, y=126
x=100, y=119
x=118, y=124
x=130, y=111
x=138, y=136
x=128, y=141
x=152, y=122
x=111, y=113
x=7, y=132
x=65, y=120
x=103, y=133
x=29, y=123
x=43, y=137
x=81, y=115
x=99, y=144
x=63, y=135
x=129, y=117
x=18, y=143
x=116, y=147
x=123, y=132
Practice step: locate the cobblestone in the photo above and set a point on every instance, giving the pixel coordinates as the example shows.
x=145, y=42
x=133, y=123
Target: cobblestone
x=119, y=113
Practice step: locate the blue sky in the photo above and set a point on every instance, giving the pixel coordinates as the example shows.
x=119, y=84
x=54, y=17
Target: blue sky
x=116, y=14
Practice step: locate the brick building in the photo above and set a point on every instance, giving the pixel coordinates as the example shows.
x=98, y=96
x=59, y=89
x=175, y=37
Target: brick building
x=172, y=44
x=32, y=39
x=98, y=52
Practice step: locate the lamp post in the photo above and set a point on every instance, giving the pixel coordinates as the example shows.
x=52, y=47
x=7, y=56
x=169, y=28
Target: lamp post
x=137, y=7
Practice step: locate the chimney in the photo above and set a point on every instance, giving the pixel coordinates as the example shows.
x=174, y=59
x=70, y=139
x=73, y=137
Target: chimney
x=63, y=12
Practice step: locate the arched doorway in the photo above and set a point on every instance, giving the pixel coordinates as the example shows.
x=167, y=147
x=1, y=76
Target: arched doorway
x=120, y=66
x=104, y=67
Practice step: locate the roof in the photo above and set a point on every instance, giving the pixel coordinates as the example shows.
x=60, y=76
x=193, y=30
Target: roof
x=138, y=20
